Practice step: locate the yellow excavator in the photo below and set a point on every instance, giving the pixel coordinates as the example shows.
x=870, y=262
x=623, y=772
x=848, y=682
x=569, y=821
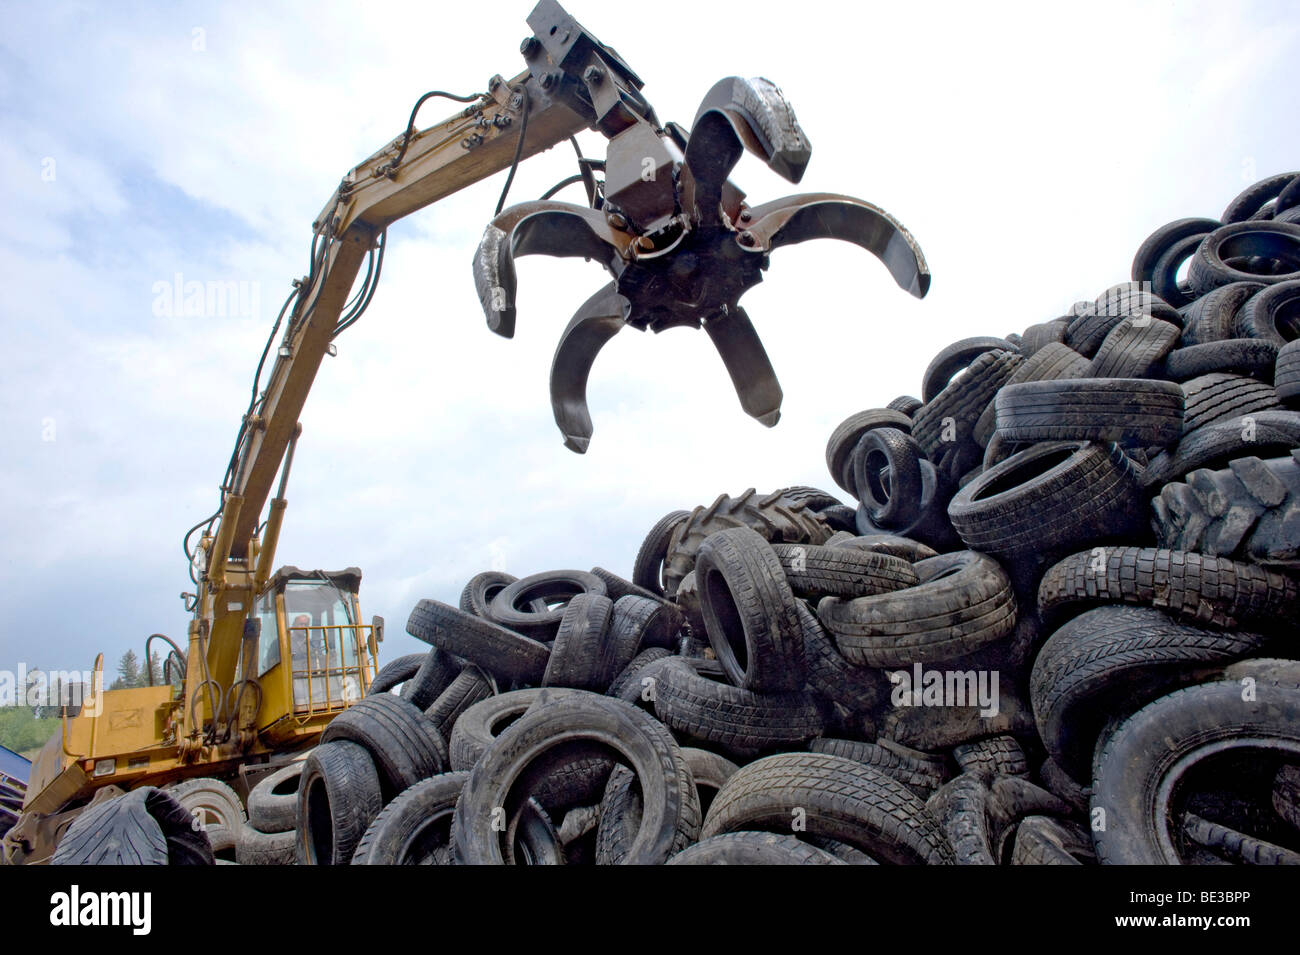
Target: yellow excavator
x=272, y=657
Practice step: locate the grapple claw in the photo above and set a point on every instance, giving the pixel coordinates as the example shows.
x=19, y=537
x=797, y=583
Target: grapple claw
x=598, y=320
x=829, y=216
x=769, y=128
x=748, y=365
x=680, y=243
x=560, y=229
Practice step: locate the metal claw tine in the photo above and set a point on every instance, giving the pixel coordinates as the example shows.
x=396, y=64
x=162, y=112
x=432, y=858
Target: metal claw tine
x=598, y=320
x=751, y=371
x=830, y=216
x=763, y=120
x=560, y=229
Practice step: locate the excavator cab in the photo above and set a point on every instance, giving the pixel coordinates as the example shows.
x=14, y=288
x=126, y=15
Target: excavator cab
x=314, y=655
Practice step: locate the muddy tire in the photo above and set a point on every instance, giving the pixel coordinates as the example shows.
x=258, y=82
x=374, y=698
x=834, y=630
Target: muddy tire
x=769, y=516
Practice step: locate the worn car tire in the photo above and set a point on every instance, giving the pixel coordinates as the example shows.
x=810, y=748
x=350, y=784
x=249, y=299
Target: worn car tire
x=1208, y=590
x=647, y=570
x=1053, y=496
x=963, y=602
x=1110, y=662
x=506, y=654
x=147, y=826
x=1143, y=760
x=405, y=744
x=415, y=828
x=754, y=848
x=738, y=721
x=749, y=612
x=1238, y=356
x=841, y=799
x=670, y=808
x=535, y=605
x=337, y=800
x=273, y=802
x=1134, y=411
x=256, y=847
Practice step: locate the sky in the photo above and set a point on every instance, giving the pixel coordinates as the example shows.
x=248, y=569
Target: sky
x=1029, y=149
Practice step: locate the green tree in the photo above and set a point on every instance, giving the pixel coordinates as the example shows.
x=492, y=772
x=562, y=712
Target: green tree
x=22, y=732
x=128, y=672
x=155, y=668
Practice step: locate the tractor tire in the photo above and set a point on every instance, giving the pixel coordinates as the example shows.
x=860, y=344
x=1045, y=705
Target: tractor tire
x=1248, y=511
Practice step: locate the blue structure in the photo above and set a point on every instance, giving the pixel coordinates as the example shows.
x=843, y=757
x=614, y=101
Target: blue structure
x=14, y=767
x=14, y=773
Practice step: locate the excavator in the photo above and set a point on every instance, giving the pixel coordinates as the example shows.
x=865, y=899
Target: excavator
x=272, y=656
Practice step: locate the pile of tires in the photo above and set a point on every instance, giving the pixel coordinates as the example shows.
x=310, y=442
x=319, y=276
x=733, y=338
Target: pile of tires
x=1056, y=626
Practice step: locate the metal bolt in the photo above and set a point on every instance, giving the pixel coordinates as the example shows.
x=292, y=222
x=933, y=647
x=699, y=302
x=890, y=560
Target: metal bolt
x=529, y=46
x=747, y=239
x=594, y=75
x=745, y=215
x=547, y=80
x=645, y=242
x=616, y=221
x=493, y=84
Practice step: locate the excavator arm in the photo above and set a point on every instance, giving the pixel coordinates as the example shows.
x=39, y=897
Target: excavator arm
x=573, y=82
